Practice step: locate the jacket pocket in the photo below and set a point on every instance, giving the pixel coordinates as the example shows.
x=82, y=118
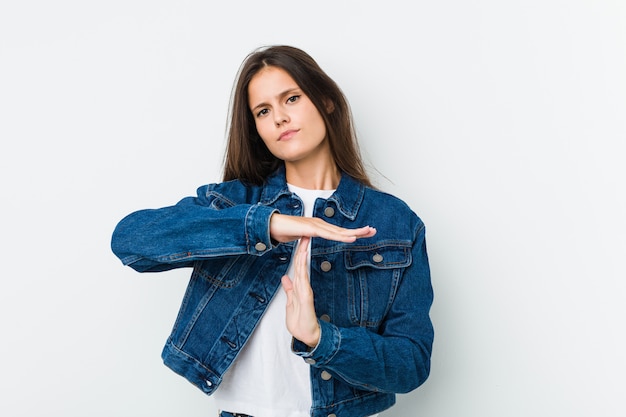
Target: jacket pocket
x=225, y=272
x=208, y=277
x=373, y=276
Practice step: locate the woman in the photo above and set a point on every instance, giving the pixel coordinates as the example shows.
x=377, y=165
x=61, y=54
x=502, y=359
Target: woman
x=350, y=327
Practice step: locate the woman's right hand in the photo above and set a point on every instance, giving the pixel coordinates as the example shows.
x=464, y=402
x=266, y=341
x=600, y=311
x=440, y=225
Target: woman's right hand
x=285, y=228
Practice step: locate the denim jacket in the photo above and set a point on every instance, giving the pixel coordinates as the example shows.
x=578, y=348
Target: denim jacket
x=372, y=296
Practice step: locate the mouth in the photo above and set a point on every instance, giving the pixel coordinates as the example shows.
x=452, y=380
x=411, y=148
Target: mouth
x=287, y=134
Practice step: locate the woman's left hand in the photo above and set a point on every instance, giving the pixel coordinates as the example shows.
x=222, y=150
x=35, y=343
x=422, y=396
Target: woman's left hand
x=301, y=318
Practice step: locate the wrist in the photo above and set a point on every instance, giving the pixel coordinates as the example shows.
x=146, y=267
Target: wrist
x=314, y=340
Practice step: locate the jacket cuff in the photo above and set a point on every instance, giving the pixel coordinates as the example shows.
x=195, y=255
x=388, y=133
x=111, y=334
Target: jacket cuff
x=257, y=230
x=330, y=340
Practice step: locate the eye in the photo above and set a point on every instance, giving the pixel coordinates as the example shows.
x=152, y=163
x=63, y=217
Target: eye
x=293, y=99
x=262, y=112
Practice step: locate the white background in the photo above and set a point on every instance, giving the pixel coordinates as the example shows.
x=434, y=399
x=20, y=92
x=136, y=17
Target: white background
x=502, y=123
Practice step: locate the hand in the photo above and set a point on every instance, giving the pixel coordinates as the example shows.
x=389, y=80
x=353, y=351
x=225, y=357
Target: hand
x=285, y=228
x=301, y=318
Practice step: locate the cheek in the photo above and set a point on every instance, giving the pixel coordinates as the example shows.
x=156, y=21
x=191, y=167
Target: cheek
x=320, y=127
x=263, y=130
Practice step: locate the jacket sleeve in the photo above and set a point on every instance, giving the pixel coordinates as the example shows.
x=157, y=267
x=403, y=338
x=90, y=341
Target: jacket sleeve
x=195, y=228
x=397, y=357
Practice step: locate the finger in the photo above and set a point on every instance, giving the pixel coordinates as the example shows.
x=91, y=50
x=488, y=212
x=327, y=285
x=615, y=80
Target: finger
x=287, y=284
x=303, y=248
x=302, y=291
x=366, y=231
x=300, y=269
x=345, y=235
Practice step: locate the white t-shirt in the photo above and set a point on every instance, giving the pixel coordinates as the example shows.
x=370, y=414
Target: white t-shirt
x=267, y=379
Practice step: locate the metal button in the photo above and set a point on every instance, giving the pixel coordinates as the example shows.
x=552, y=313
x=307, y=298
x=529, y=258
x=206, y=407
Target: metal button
x=325, y=317
x=332, y=415
x=326, y=376
x=329, y=212
x=377, y=258
x=310, y=361
x=260, y=246
x=326, y=266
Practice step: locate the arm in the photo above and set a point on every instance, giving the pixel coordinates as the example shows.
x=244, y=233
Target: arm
x=175, y=236
x=397, y=358
x=195, y=228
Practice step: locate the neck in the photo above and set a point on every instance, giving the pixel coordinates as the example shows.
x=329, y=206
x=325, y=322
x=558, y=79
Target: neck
x=319, y=176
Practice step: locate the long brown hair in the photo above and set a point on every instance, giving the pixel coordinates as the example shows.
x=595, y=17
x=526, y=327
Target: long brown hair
x=247, y=158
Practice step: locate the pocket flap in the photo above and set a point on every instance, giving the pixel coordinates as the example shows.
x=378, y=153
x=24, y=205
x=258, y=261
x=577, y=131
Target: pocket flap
x=379, y=257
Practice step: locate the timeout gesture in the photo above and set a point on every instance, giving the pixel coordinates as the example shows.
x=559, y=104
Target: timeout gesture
x=285, y=228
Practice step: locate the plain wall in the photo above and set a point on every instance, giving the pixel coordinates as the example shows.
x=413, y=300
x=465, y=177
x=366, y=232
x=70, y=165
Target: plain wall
x=502, y=124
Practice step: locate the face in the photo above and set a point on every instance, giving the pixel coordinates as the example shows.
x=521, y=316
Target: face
x=288, y=122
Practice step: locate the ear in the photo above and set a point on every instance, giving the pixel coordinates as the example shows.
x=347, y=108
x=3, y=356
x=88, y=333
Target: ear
x=330, y=106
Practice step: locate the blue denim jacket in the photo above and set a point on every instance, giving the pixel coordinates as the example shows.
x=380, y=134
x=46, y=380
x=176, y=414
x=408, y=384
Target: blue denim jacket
x=372, y=296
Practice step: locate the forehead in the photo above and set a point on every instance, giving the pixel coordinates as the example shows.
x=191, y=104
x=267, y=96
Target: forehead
x=269, y=82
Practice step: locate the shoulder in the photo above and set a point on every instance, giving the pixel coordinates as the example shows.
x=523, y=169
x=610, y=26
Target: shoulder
x=383, y=205
x=234, y=192
x=390, y=201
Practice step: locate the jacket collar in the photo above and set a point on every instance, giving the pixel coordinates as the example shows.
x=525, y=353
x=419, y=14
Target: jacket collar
x=348, y=196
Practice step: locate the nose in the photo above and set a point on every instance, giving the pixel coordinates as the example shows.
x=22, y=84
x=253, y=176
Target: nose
x=280, y=117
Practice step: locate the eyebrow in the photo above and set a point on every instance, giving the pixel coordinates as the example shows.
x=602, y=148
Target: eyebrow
x=280, y=95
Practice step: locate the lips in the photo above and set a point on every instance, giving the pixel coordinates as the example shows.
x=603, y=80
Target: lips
x=287, y=134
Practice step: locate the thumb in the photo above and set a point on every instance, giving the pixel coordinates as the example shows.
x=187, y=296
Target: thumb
x=286, y=283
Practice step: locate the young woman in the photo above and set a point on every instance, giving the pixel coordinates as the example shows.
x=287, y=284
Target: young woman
x=350, y=327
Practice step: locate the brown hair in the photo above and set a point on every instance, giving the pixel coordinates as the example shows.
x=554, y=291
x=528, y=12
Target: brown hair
x=247, y=158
